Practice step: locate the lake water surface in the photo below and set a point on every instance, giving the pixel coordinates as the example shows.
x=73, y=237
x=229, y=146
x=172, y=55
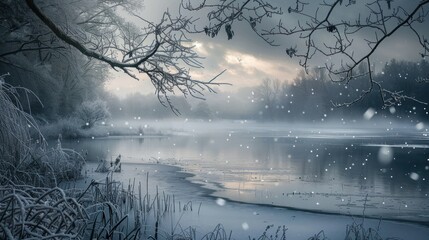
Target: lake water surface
x=377, y=171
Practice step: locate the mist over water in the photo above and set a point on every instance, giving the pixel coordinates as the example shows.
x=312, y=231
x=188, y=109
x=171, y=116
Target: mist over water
x=328, y=168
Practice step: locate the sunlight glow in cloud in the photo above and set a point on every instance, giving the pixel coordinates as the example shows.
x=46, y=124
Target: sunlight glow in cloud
x=243, y=64
x=200, y=48
x=243, y=70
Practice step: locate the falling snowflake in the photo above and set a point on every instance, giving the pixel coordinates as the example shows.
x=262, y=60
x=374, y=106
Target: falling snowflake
x=245, y=226
x=414, y=176
x=385, y=155
x=369, y=114
x=420, y=126
x=220, y=202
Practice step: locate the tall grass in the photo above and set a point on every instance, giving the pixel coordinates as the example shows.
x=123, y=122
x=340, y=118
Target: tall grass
x=37, y=213
x=110, y=210
x=15, y=127
x=127, y=212
x=25, y=158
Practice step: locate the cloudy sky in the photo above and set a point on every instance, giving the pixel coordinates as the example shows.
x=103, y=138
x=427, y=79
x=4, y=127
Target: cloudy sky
x=248, y=59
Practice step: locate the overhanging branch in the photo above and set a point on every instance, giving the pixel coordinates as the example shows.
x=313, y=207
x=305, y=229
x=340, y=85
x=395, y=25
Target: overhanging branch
x=75, y=43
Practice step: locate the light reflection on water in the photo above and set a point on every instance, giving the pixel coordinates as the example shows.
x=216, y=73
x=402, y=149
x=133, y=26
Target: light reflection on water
x=305, y=169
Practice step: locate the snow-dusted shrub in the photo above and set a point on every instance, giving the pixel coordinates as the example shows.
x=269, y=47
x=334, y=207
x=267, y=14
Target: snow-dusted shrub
x=15, y=124
x=91, y=112
x=68, y=128
x=24, y=157
x=65, y=128
x=48, y=167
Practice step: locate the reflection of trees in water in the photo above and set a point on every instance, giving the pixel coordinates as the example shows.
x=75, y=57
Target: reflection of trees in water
x=284, y=159
x=328, y=163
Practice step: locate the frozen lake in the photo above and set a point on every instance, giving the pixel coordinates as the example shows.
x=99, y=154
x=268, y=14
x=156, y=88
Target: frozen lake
x=381, y=172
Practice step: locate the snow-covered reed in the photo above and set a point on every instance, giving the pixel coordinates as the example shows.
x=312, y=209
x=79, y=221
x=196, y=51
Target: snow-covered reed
x=25, y=158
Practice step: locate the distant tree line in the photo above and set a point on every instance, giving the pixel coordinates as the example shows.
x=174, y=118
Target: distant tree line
x=309, y=97
x=315, y=97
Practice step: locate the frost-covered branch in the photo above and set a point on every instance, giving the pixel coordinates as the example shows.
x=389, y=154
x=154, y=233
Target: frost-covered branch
x=160, y=51
x=224, y=14
x=345, y=33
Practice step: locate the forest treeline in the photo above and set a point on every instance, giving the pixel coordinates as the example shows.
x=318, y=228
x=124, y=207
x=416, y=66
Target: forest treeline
x=58, y=74
x=314, y=97
x=309, y=97
x=63, y=86
x=65, y=82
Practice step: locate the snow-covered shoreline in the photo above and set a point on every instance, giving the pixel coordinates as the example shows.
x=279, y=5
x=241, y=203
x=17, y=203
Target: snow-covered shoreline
x=177, y=181
x=272, y=192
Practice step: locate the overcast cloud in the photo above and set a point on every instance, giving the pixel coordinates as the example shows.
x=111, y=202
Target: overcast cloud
x=248, y=59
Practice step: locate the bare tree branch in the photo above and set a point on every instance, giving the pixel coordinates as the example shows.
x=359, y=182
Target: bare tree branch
x=226, y=13
x=160, y=51
x=323, y=30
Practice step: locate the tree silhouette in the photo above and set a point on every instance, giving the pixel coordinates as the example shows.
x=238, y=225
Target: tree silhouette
x=347, y=33
x=160, y=51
